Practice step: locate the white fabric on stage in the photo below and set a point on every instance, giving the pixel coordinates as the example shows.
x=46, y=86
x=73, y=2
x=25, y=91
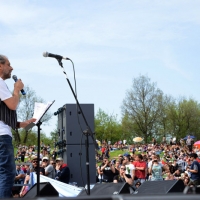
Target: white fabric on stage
x=64, y=190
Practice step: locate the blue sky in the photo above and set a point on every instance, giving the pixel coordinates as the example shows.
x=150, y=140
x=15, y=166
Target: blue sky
x=110, y=42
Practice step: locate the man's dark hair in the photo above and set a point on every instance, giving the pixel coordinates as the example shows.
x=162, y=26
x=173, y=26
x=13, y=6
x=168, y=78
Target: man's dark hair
x=140, y=156
x=193, y=155
x=2, y=59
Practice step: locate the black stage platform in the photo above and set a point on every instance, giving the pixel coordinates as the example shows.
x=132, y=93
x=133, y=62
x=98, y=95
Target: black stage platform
x=127, y=197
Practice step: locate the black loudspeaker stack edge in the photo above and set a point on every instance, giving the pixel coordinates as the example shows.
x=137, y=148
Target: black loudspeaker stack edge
x=165, y=190
x=123, y=197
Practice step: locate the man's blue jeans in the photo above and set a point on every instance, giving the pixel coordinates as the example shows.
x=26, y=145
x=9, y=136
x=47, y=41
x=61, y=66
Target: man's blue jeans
x=7, y=166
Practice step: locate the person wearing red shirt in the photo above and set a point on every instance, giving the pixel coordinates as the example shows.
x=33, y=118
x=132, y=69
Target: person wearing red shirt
x=103, y=151
x=140, y=168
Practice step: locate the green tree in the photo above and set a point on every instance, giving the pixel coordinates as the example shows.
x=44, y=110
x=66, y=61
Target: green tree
x=184, y=117
x=54, y=136
x=26, y=109
x=142, y=106
x=107, y=127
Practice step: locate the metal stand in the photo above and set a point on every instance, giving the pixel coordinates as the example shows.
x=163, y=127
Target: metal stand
x=38, y=159
x=87, y=132
x=38, y=152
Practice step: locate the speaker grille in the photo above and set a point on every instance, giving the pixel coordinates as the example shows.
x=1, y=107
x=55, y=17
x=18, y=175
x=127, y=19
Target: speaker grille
x=108, y=189
x=161, y=187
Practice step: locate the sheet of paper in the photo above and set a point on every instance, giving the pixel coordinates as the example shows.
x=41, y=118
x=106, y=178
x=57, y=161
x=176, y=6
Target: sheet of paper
x=39, y=110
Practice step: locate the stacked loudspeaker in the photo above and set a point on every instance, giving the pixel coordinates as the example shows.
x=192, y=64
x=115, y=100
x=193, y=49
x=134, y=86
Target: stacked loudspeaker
x=70, y=123
x=161, y=187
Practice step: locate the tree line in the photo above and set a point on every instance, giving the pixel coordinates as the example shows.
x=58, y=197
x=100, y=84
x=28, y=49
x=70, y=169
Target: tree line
x=145, y=112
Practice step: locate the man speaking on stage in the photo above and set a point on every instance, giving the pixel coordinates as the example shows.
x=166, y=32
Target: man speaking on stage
x=8, y=121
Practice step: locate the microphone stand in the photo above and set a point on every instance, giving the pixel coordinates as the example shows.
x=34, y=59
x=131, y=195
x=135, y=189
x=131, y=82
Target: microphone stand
x=86, y=132
x=38, y=159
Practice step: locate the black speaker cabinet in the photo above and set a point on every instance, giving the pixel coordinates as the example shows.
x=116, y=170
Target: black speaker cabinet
x=75, y=157
x=46, y=190
x=161, y=187
x=107, y=189
x=69, y=122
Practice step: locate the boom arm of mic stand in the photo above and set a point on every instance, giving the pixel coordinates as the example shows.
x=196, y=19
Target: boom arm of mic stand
x=87, y=132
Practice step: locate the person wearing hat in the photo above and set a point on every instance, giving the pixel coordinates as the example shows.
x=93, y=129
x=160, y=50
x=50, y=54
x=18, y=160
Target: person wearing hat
x=194, y=170
x=62, y=171
x=35, y=165
x=49, y=169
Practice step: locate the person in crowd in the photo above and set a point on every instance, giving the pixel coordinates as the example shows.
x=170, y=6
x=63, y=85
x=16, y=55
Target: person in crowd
x=164, y=140
x=62, y=171
x=137, y=185
x=49, y=169
x=8, y=121
x=140, y=168
x=100, y=174
x=108, y=170
x=103, y=149
x=194, y=170
x=189, y=142
x=171, y=141
x=172, y=168
x=117, y=165
x=53, y=163
x=152, y=158
x=182, y=142
x=54, y=154
x=25, y=188
x=130, y=168
x=23, y=153
x=35, y=165
x=120, y=158
x=177, y=174
x=156, y=171
x=48, y=149
x=107, y=152
x=169, y=176
x=153, y=141
x=123, y=177
x=186, y=180
x=19, y=180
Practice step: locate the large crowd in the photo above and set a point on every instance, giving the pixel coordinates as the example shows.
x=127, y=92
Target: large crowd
x=151, y=162
x=139, y=163
x=50, y=165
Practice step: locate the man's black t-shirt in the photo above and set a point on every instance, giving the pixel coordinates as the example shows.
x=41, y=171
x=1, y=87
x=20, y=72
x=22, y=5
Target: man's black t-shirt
x=107, y=174
x=42, y=170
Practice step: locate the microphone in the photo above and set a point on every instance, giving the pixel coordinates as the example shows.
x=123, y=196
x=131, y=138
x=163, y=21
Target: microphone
x=46, y=54
x=15, y=79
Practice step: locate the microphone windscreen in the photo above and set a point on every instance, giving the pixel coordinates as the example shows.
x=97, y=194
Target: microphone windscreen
x=14, y=77
x=45, y=54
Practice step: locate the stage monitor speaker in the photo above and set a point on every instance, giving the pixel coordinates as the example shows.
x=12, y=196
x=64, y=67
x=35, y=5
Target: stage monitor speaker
x=46, y=190
x=107, y=189
x=161, y=187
